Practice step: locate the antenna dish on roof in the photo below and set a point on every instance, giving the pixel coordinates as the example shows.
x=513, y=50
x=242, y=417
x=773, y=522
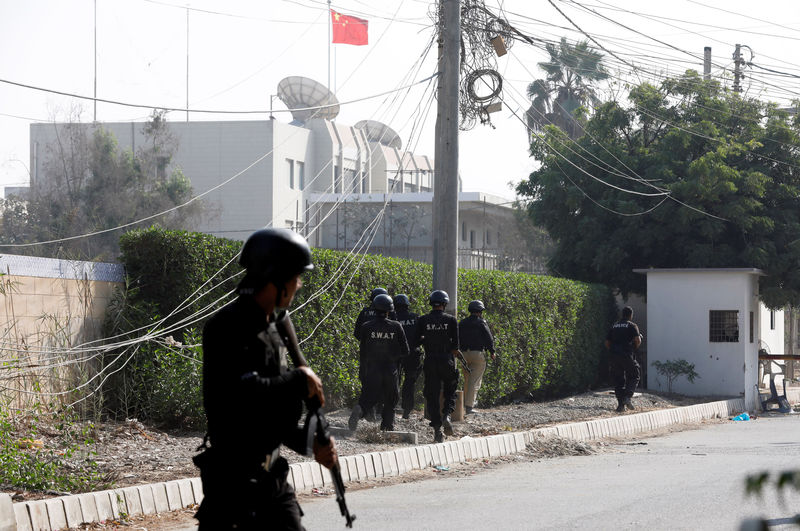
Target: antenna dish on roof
x=303, y=95
x=380, y=132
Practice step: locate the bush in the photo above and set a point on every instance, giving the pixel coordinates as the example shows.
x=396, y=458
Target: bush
x=549, y=331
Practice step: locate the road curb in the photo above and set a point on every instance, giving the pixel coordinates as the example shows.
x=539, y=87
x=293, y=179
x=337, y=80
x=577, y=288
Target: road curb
x=57, y=513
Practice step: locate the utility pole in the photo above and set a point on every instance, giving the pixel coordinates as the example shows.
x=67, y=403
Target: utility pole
x=707, y=63
x=445, y=186
x=737, y=68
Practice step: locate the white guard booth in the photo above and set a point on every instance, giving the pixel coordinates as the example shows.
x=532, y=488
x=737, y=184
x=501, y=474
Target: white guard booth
x=713, y=319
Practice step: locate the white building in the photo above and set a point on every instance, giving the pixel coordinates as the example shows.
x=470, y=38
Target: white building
x=257, y=173
x=713, y=319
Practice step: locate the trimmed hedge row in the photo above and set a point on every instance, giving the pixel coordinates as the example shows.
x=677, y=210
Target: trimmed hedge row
x=548, y=331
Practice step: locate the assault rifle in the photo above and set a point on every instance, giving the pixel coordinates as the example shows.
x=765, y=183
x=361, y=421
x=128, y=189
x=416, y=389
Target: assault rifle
x=316, y=427
x=464, y=363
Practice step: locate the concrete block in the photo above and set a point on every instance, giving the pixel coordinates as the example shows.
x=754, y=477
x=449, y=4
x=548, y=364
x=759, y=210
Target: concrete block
x=56, y=513
x=521, y=443
x=327, y=479
x=484, y=447
x=38, y=512
x=377, y=464
x=160, y=498
x=436, y=460
x=511, y=443
x=473, y=448
x=147, y=499
x=348, y=463
x=406, y=454
x=173, y=495
x=187, y=496
x=134, y=501
x=413, y=455
x=72, y=509
x=448, y=452
x=423, y=457
x=8, y=522
x=308, y=476
x=103, y=505
x=361, y=465
x=197, y=490
x=296, y=477
x=428, y=455
x=22, y=518
x=468, y=455
x=88, y=505
x=389, y=461
x=494, y=446
x=462, y=451
x=316, y=475
x=401, y=462
x=343, y=470
x=442, y=453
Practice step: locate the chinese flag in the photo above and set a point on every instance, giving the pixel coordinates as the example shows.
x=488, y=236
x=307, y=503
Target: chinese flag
x=348, y=29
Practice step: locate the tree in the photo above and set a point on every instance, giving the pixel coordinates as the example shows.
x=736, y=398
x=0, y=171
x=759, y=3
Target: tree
x=685, y=175
x=561, y=97
x=89, y=184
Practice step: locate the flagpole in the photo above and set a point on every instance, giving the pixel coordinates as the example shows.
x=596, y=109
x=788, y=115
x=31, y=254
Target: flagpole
x=330, y=23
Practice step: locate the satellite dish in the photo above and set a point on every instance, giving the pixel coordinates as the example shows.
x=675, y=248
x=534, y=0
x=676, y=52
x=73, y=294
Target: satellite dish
x=300, y=93
x=380, y=132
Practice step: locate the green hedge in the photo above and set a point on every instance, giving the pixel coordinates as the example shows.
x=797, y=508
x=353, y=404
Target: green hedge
x=549, y=331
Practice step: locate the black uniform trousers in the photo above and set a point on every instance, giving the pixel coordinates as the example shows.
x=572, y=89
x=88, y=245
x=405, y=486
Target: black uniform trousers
x=261, y=500
x=411, y=368
x=441, y=375
x=625, y=374
x=381, y=385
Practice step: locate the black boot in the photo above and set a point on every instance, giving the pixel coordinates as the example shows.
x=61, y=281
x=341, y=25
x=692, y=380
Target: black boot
x=352, y=423
x=406, y=413
x=448, y=426
x=620, y=405
x=628, y=404
x=438, y=436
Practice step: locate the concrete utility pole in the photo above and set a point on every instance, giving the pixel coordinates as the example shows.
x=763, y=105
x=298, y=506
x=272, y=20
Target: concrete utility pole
x=707, y=63
x=445, y=187
x=737, y=68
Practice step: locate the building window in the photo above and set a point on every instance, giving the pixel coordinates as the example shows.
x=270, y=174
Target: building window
x=472, y=239
x=301, y=174
x=290, y=164
x=723, y=326
x=772, y=319
x=752, y=321
x=464, y=231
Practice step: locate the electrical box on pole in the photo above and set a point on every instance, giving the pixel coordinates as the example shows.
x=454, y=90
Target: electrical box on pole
x=445, y=187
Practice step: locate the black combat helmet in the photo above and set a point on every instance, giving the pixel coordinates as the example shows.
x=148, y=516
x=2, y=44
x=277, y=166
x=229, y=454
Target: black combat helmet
x=439, y=297
x=377, y=291
x=383, y=303
x=401, y=301
x=273, y=255
x=476, y=306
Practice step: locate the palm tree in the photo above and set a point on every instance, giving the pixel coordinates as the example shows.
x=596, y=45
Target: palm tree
x=571, y=72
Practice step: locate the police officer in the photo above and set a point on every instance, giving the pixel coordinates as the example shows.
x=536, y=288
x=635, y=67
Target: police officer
x=367, y=313
x=475, y=337
x=383, y=345
x=411, y=365
x=622, y=339
x=253, y=401
x=438, y=334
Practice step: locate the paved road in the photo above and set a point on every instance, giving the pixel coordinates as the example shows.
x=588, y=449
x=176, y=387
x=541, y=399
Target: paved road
x=687, y=480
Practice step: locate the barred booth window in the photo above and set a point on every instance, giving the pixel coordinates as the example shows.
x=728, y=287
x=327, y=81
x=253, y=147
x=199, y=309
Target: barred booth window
x=723, y=326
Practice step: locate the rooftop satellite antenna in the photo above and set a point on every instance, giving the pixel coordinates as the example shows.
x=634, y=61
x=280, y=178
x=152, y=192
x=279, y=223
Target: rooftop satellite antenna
x=299, y=93
x=380, y=132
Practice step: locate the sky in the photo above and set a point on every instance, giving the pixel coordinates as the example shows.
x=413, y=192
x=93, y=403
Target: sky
x=238, y=50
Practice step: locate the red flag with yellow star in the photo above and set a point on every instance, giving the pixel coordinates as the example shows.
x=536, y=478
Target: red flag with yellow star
x=348, y=29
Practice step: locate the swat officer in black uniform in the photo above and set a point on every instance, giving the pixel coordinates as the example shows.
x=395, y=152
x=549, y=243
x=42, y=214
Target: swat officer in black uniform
x=438, y=334
x=253, y=401
x=622, y=339
x=383, y=345
x=411, y=365
x=368, y=313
